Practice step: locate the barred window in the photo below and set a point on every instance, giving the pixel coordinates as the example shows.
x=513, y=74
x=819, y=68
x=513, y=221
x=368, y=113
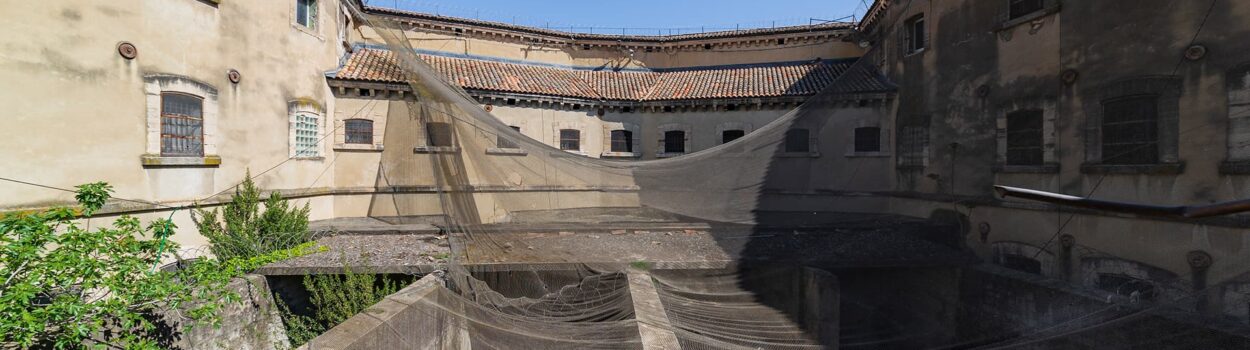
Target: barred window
x=1020, y=8
x=306, y=140
x=797, y=141
x=570, y=139
x=502, y=141
x=912, y=147
x=438, y=134
x=1024, y=138
x=306, y=13
x=359, y=131
x=622, y=141
x=674, y=141
x=182, y=125
x=1130, y=130
x=730, y=135
x=868, y=139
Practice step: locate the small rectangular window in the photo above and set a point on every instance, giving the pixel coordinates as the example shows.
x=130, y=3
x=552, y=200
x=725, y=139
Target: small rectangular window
x=570, y=139
x=182, y=125
x=1130, y=130
x=306, y=13
x=359, y=131
x=675, y=141
x=868, y=139
x=1020, y=8
x=730, y=135
x=306, y=140
x=1024, y=138
x=914, y=35
x=797, y=141
x=622, y=141
x=438, y=134
x=502, y=141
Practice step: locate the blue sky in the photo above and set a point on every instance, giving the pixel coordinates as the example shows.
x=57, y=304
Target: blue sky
x=641, y=16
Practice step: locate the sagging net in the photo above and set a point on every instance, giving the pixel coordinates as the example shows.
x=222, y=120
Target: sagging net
x=501, y=294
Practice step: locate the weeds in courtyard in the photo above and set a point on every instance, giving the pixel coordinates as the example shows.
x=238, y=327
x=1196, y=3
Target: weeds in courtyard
x=335, y=298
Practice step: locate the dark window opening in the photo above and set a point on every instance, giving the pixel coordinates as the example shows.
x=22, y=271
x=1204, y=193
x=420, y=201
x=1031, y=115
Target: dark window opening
x=797, y=140
x=731, y=107
x=863, y=103
x=1127, y=286
x=577, y=107
x=627, y=109
x=1020, y=8
x=502, y=141
x=359, y=131
x=1024, y=138
x=668, y=109
x=1022, y=263
x=600, y=112
x=438, y=134
x=182, y=125
x=707, y=46
x=1130, y=130
x=458, y=30
x=675, y=141
x=365, y=92
x=585, y=47
x=914, y=37
x=570, y=140
x=512, y=102
x=781, y=41
x=730, y=135
x=622, y=141
x=868, y=139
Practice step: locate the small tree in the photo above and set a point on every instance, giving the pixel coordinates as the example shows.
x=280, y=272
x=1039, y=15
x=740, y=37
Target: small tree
x=242, y=230
x=65, y=286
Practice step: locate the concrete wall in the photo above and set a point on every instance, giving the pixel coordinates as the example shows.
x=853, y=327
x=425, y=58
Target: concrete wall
x=252, y=323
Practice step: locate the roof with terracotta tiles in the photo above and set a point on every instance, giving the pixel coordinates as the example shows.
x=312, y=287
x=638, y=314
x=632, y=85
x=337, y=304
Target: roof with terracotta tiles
x=714, y=82
x=410, y=15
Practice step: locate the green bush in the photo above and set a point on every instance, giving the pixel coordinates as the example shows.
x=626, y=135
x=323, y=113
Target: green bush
x=242, y=230
x=65, y=286
x=334, y=299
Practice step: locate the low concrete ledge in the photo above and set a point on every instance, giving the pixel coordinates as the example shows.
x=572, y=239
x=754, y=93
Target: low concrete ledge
x=506, y=152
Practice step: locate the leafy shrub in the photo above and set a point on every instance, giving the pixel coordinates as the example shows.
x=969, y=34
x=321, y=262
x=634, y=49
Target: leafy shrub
x=334, y=299
x=65, y=286
x=241, y=229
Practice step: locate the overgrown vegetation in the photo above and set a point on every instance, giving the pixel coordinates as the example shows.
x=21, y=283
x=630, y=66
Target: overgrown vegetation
x=334, y=299
x=241, y=230
x=66, y=286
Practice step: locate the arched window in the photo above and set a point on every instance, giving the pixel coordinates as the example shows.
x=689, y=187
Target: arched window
x=570, y=139
x=730, y=135
x=182, y=125
x=622, y=141
x=797, y=141
x=675, y=141
x=359, y=131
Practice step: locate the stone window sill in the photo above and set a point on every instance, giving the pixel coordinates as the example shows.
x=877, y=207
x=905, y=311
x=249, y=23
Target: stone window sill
x=1235, y=167
x=799, y=155
x=157, y=161
x=868, y=154
x=363, y=147
x=436, y=149
x=620, y=155
x=506, y=151
x=1142, y=169
x=1048, y=168
x=309, y=158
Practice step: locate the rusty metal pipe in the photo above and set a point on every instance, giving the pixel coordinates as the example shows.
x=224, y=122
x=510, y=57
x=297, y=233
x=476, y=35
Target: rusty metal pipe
x=1192, y=212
